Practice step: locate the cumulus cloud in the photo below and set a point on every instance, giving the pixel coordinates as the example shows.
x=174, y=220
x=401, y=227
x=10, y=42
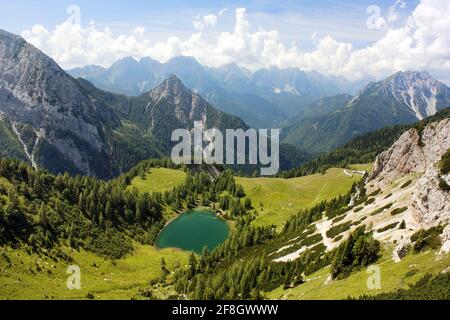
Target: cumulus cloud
x=421, y=43
x=205, y=21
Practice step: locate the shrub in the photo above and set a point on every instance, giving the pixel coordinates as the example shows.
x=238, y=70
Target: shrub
x=407, y=183
x=369, y=201
x=312, y=240
x=443, y=185
x=358, y=209
x=373, y=194
x=398, y=211
x=381, y=209
x=389, y=226
x=338, y=218
x=334, y=231
x=424, y=239
x=444, y=164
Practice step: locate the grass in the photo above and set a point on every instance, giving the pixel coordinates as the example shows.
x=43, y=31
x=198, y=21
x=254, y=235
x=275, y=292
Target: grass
x=282, y=198
x=393, y=276
x=362, y=167
x=31, y=276
x=159, y=179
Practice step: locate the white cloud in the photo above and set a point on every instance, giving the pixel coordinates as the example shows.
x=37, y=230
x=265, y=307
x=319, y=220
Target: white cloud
x=139, y=31
x=205, y=21
x=421, y=43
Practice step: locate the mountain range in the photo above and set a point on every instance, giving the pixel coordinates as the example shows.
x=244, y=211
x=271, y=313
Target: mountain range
x=63, y=124
x=262, y=99
x=404, y=97
x=54, y=121
x=316, y=113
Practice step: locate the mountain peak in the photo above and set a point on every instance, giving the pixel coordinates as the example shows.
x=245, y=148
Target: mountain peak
x=171, y=88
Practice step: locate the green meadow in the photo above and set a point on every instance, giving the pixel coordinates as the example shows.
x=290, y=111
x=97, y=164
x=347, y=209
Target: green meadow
x=276, y=199
x=32, y=276
x=158, y=179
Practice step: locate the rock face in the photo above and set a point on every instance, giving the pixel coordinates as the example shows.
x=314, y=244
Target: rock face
x=417, y=90
x=419, y=153
x=187, y=105
x=400, y=250
x=51, y=115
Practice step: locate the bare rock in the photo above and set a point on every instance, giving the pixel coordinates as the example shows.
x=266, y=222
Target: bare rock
x=401, y=250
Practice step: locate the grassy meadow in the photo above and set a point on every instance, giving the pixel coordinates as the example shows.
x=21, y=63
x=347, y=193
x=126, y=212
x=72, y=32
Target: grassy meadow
x=158, y=179
x=277, y=199
x=394, y=275
x=32, y=276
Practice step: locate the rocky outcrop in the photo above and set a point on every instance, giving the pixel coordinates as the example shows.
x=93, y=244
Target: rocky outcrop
x=404, y=157
x=70, y=124
x=401, y=250
x=419, y=153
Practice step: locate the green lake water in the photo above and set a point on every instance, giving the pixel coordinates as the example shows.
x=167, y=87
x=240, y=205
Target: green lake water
x=192, y=231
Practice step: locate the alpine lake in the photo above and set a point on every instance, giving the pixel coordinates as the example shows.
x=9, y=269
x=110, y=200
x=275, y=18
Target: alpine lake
x=194, y=230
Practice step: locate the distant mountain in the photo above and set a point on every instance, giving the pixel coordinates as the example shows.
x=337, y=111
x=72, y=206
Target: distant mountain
x=262, y=99
x=402, y=98
x=54, y=121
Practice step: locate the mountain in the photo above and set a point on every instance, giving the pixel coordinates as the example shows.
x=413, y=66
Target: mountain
x=54, y=121
x=47, y=118
x=402, y=98
x=262, y=99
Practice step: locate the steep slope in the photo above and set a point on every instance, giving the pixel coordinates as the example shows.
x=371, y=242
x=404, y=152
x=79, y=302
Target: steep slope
x=402, y=98
x=404, y=195
x=59, y=125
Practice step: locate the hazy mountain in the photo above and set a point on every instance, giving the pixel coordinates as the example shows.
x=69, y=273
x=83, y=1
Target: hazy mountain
x=262, y=99
x=401, y=98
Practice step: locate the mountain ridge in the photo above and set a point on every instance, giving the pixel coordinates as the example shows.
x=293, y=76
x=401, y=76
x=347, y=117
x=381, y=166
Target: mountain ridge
x=377, y=105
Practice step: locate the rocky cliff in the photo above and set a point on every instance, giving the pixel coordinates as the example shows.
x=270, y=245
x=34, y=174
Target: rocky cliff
x=54, y=119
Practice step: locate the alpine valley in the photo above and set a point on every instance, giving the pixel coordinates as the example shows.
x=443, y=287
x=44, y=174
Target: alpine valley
x=360, y=208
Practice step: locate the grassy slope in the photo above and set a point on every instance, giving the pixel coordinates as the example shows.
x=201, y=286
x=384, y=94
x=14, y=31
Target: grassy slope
x=282, y=198
x=20, y=279
x=109, y=280
x=159, y=179
x=393, y=275
x=364, y=167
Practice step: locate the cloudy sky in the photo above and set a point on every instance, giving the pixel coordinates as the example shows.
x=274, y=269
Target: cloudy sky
x=349, y=38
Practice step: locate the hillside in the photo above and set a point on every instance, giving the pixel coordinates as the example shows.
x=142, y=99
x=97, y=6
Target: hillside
x=56, y=122
x=337, y=226
x=361, y=149
x=402, y=98
x=276, y=200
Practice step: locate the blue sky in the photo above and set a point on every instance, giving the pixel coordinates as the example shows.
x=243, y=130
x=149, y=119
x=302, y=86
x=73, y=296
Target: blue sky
x=342, y=38
x=295, y=20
